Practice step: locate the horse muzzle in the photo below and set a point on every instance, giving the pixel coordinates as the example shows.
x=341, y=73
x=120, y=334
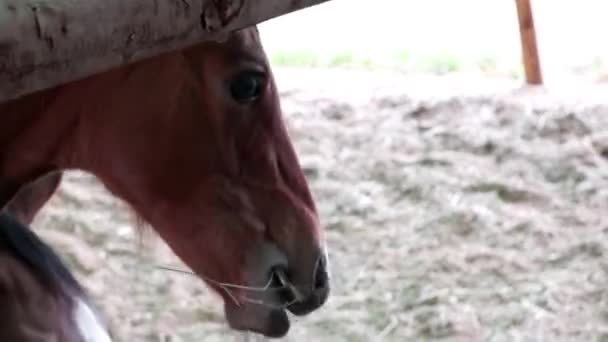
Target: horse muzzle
x=272, y=289
x=304, y=302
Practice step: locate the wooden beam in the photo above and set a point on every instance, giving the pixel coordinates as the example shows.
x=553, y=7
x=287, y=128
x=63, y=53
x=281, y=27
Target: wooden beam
x=45, y=43
x=529, y=47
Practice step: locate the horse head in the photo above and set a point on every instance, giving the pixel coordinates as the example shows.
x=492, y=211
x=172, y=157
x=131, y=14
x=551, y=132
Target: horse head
x=195, y=142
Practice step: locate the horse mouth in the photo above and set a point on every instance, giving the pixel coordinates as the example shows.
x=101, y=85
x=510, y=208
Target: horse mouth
x=278, y=323
x=272, y=320
x=276, y=326
x=274, y=290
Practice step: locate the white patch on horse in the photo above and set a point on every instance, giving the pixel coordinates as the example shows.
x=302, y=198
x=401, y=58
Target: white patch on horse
x=89, y=324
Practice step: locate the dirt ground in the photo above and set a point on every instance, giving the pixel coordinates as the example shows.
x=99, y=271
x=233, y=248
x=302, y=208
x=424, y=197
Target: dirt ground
x=456, y=211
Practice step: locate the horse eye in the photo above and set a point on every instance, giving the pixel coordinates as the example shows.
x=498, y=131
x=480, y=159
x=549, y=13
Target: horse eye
x=247, y=86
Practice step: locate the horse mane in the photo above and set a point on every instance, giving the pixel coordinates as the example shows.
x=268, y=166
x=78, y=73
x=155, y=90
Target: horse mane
x=38, y=257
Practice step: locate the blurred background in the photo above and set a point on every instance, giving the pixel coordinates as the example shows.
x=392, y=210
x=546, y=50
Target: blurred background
x=460, y=205
x=441, y=36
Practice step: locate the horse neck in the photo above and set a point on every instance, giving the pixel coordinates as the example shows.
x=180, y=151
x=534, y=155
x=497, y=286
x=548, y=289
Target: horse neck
x=34, y=138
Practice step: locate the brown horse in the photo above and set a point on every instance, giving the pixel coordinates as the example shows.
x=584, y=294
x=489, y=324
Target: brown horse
x=195, y=142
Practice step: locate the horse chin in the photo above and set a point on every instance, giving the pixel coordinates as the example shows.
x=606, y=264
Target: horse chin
x=261, y=312
x=270, y=322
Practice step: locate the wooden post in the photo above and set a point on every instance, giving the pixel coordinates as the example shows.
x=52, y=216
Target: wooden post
x=45, y=43
x=528, y=43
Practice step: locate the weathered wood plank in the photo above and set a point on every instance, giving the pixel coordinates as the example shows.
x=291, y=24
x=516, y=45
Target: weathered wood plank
x=529, y=47
x=44, y=43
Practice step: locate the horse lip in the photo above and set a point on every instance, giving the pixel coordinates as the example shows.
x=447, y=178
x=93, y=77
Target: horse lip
x=312, y=303
x=274, y=324
x=278, y=327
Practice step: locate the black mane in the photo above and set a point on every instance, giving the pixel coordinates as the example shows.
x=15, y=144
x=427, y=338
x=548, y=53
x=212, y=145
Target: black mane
x=40, y=259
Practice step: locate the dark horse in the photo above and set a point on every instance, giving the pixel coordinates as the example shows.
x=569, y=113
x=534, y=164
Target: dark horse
x=40, y=300
x=195, y=142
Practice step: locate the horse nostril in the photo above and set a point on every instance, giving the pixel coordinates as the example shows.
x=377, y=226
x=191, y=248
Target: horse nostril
x=291, y=293
x=321, y=278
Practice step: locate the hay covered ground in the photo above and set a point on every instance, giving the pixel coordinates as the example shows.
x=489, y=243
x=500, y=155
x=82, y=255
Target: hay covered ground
x=456, y=210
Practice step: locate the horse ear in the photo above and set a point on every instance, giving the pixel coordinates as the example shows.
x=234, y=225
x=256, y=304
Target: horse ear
x=32, y=197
